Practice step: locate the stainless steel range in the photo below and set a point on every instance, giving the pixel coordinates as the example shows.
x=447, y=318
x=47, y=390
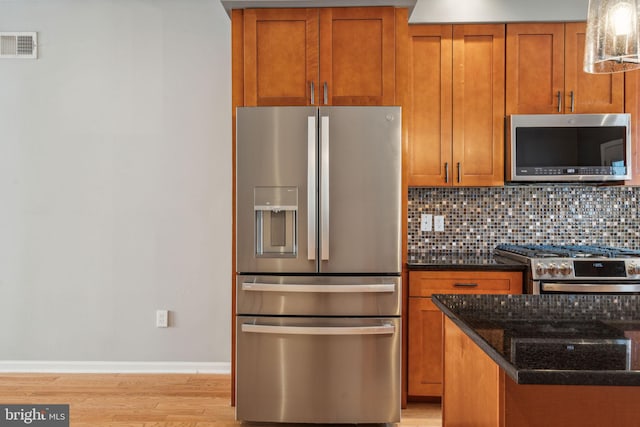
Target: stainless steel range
x=575, y=269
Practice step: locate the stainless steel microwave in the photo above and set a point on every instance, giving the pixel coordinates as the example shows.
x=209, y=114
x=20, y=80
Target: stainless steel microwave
x=568, y=147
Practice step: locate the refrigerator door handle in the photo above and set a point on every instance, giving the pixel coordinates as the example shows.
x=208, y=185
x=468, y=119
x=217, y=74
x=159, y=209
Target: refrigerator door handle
x=279, y=287
x=319, y=330
x=311, y=188
x=324, y=188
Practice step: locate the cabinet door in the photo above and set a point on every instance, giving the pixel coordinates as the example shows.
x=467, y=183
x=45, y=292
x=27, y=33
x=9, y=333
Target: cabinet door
x=425, y=348
x=429, y=112
x=478, y=105
x=357, y=56
x=584, y=92
x=535, y=71
x=473, y=384
x=280, y=56
x=632, y=106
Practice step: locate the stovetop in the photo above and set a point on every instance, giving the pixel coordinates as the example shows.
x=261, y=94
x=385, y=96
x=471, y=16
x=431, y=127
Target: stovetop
x=569, y=251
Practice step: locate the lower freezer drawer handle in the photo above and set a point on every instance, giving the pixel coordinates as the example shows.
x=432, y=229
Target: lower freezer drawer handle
x=279, y=287
x=319, y=330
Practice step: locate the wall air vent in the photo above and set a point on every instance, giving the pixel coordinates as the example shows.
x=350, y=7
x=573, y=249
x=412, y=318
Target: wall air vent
x=18, y=45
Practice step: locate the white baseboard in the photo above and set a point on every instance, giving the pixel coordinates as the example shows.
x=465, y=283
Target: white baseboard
x=43, y=366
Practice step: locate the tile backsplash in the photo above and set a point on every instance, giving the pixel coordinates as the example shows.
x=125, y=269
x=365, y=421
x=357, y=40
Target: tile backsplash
x=478, y=219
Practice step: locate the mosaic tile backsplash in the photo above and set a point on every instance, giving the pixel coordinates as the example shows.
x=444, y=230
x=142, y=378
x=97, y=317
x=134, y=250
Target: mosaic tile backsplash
x=478, y=219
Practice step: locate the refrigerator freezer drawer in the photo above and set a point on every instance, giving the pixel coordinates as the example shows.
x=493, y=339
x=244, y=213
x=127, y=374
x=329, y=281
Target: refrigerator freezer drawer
x=318, y=370
x=319, y=295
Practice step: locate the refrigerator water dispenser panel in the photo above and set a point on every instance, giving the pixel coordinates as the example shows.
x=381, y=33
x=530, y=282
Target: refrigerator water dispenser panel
x=276, y=221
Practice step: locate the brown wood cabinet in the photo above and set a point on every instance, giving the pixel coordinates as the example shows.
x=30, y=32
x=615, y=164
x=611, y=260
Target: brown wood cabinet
x=456, y=112
x=327, y=56
x=544, y=73
x=425, y=320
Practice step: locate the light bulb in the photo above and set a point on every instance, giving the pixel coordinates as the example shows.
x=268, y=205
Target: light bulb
x=620, y=18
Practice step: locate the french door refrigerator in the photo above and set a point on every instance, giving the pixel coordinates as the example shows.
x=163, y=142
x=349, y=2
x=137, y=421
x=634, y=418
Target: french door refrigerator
x=318, y=262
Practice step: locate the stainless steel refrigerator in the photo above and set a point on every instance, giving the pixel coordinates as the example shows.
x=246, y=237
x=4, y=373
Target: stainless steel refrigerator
x=318, y=288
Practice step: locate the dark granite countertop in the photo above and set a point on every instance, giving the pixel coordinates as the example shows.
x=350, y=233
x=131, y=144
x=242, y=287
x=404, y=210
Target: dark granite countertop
x=554, y=339
x=459, y=261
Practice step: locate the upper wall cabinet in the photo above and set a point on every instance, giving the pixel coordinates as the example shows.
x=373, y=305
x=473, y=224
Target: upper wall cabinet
x=544, y=73
x=456, y=112
x=327, y=56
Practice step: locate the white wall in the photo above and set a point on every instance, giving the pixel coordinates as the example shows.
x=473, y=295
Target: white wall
x=115, y=182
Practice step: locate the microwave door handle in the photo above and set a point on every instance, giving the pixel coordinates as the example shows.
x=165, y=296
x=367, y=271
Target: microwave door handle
x=311, y=188
x=324, y=188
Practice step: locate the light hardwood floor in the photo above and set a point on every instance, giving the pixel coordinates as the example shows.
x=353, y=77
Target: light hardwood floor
x=150, y=400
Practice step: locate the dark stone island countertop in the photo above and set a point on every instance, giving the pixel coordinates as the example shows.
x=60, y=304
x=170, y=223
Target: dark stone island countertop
x=459, y=261
x=554, y=339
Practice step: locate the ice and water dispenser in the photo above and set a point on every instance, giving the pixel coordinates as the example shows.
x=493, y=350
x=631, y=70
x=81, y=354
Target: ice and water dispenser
x=276, y=216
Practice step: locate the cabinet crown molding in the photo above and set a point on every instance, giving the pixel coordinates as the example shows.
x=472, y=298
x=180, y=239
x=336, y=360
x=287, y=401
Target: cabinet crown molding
x=255, y=4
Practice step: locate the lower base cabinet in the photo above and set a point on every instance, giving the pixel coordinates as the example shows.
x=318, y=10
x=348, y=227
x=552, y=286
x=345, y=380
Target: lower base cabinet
x=425, y=320
x=425, y=349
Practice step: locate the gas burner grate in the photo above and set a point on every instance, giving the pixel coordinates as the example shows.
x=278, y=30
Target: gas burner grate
x=569, y=251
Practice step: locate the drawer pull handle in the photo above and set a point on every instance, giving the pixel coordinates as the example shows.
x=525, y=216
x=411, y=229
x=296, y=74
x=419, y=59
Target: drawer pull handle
x=465, y=285
x=292, y=287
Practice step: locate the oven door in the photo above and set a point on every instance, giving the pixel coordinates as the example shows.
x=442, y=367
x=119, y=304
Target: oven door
x=588, y=287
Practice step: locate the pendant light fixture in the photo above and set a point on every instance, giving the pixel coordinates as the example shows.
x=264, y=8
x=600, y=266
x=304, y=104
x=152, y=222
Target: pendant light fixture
x=612, y=42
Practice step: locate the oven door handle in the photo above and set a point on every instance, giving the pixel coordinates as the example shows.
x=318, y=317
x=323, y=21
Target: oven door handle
x=280, y=287
x=319, y=330
x=588, y=287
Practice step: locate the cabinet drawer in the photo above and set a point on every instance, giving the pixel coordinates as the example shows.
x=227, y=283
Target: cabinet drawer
x=426, y=283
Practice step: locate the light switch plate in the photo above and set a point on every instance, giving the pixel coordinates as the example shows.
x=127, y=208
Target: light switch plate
x=438, y=223
x=426, y=221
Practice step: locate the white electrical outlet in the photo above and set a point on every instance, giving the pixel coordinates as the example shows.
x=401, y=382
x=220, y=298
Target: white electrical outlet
x=162, y=318
x=426, y=221
x=438, y=223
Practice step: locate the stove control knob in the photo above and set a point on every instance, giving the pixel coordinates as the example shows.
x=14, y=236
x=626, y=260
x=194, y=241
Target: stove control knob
x=565, y=269
x=553, y=269
x=541, y=269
